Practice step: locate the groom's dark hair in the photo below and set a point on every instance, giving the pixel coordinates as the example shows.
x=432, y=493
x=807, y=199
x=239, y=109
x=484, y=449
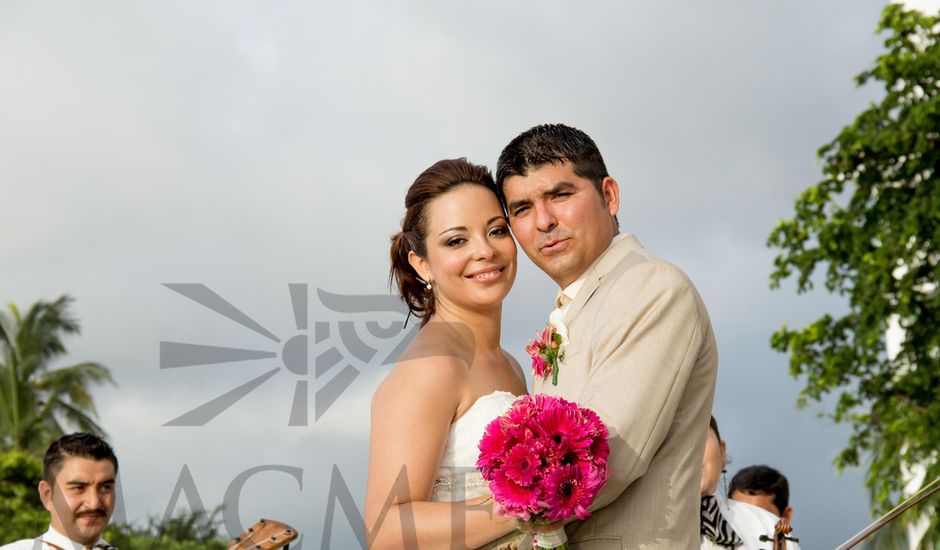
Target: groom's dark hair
x=548, y=144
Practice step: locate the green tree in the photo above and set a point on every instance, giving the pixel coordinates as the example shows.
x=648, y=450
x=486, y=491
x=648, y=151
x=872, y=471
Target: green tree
x=191, y=530
x=22, y=515
x=873, y=223
x=37, y=401
x=21, y=512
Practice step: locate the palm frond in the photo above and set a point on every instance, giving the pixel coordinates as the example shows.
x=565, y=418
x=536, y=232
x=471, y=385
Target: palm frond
x=5, y=338
x=37, y=402
x=40, y=331
x=80, y=418
x=74, y=382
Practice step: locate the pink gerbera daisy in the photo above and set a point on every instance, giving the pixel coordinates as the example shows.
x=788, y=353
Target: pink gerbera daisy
x=534, y=348
x=568, y=491
x=512, y=498
x=540, y=367
x=521, y=465
x=493, y=446
x=592, y=423
x=565, y=433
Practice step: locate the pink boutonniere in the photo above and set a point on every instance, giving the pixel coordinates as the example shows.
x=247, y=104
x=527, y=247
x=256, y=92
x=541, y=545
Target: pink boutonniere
x=547, y=351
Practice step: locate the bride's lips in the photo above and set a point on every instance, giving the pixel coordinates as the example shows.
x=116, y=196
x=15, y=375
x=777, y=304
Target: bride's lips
x=553, y=247
x=487, y=275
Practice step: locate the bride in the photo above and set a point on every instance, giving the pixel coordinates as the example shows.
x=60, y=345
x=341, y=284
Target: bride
x=454, y=261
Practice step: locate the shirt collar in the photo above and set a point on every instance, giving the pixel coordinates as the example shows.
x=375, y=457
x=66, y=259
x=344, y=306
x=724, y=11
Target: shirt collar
x=61, y=540
x=570, y=292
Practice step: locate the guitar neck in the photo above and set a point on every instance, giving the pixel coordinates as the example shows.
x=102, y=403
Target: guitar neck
x=265, y=535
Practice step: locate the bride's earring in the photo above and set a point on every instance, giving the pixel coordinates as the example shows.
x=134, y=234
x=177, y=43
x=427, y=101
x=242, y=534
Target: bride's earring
x=724, y=478
x=429, y=287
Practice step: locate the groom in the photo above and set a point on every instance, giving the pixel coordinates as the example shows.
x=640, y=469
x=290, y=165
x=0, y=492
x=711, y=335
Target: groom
x=640, y=350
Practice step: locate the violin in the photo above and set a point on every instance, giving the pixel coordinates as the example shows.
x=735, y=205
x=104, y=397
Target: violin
x=781, y=535
x=265, y=535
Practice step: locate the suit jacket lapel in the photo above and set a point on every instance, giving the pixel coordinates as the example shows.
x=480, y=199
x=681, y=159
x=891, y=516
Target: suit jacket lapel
x=601, y=267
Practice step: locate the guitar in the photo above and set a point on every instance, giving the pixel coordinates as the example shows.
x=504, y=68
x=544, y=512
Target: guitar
x=265, y=535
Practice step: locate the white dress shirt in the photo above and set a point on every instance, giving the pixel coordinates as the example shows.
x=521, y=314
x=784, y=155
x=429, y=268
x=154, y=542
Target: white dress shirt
x=569, y=293
x=50, y=540
x=750, y=522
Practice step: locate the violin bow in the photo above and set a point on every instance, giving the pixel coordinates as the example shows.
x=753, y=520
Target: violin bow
x=914, y=500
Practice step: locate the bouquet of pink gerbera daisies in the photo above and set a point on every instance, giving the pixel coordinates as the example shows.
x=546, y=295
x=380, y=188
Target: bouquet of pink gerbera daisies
x=545, y=460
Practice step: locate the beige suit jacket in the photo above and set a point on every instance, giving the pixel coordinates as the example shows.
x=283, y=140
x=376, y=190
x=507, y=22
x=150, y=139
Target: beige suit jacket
x=642, y=354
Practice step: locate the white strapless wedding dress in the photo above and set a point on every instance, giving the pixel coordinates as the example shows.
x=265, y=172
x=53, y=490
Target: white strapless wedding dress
x=458, y=477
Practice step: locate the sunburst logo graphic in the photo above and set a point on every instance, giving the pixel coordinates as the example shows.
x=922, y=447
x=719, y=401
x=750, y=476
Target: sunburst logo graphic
x=338, y=348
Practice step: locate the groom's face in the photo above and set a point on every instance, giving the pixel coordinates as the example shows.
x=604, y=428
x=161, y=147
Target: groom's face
x=560, y=219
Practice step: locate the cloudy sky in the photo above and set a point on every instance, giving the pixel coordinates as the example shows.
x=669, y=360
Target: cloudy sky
x=246, y=146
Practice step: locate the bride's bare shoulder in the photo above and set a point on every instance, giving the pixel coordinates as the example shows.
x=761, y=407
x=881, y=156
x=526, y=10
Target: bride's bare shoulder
x=429, y=365
x=514, y=364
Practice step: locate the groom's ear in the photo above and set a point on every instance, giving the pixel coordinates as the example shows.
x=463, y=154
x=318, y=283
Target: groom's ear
x=610, y=192
x=419, y=264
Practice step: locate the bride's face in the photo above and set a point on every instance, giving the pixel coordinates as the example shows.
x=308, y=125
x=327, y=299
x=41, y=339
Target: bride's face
x=471, y=256
x=713, y=463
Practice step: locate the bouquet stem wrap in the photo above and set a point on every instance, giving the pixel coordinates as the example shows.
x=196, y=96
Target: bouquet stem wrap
x=551, y=540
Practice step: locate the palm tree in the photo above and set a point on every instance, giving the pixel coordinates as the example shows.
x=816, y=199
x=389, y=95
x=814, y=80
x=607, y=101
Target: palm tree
x=35, y=400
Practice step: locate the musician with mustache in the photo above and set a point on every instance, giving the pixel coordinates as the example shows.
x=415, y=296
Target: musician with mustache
x=77, y=489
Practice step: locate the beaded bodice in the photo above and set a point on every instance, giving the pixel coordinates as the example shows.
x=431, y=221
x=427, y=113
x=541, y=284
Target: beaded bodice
x=458, y=478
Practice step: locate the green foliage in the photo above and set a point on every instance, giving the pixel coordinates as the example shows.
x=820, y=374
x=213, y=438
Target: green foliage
x=36, y=402
x=21, y=512
x=873, y=223
x=892, y=537
x=22, y=515
x=198, y=530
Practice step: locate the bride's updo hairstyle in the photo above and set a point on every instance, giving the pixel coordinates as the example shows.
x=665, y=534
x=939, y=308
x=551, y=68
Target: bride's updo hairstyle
x=440, y=178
